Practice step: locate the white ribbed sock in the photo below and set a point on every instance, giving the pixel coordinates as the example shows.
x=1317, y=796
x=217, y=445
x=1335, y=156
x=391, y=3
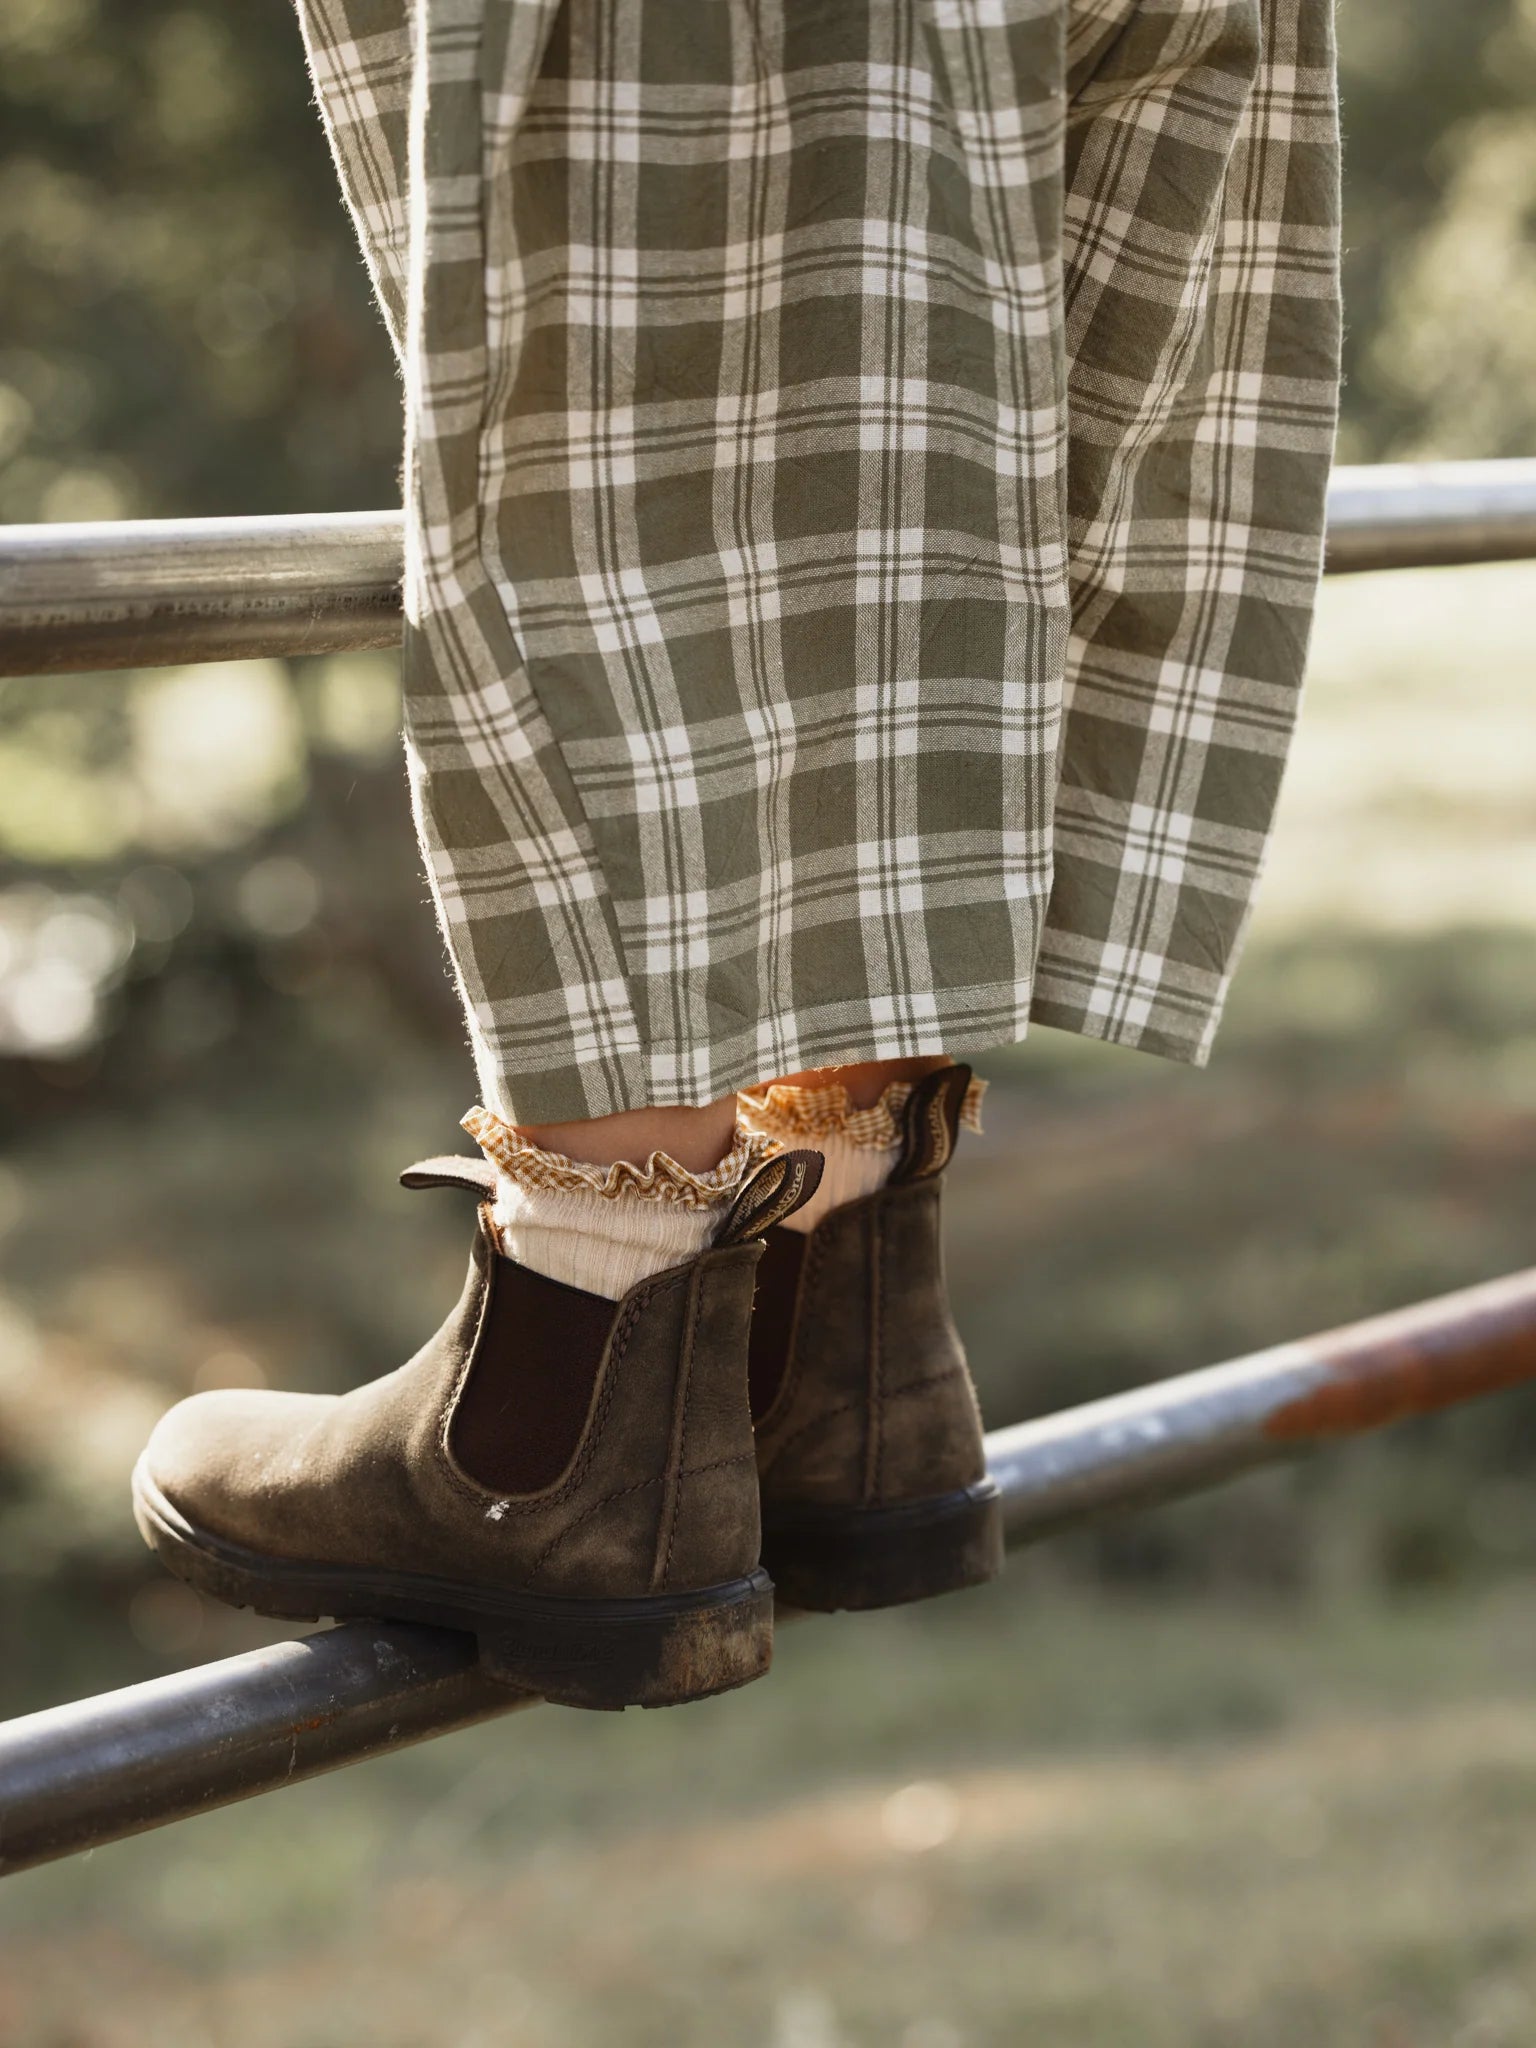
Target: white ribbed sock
x=603, y=1244
x=604, y=1229
x=848, y=1171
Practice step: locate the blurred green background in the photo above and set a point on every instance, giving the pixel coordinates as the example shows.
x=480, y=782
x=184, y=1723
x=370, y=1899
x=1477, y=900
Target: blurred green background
x=1258, y=1769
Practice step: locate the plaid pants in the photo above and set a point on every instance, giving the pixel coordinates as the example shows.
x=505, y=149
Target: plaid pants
x=865, y=477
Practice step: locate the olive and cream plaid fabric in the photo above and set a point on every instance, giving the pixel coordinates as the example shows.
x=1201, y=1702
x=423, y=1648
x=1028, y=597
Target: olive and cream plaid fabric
x=865, y=476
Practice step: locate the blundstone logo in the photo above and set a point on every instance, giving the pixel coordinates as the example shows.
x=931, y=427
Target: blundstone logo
x=774, y=1192
x=940, y=1144
x=784, y=1200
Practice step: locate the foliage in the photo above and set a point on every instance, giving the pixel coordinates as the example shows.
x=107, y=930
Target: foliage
x=187, y=326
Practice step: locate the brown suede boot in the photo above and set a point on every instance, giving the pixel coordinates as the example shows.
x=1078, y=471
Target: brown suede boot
x=568, y=1478
x=869, y=1445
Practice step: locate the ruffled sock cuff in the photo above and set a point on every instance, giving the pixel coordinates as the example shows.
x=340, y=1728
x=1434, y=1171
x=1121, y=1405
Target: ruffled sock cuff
x=805, y=1116
x=660, y=1179
x=604, y=1229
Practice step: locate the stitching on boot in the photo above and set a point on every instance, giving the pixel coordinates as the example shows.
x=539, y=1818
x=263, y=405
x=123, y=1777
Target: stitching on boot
x=959, y=1372
x=874, y=1443
x=794, y=1372
x=693, y=1472
x=700, y=1472
x=825, y=1415
x=822, y=1415
x=677, y=1448
x=921, y=1386
x=719, y=1464
x=930, y=1380
x=459, y=1480
x=596, y=1508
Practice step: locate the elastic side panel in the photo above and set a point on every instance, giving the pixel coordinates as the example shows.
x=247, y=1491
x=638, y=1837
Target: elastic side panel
x=519, y=1418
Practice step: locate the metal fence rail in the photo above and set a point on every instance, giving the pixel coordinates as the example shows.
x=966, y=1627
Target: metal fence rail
x=80, y=1775
x=130, y=595
x=134, y=593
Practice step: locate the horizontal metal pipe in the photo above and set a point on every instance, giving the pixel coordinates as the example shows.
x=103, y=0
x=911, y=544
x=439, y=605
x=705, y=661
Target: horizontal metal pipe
x=77, y=1776
x=1430, y=515
x=98, y=1769
x=137, y=593
x=1177, y=1436
x=142, y=592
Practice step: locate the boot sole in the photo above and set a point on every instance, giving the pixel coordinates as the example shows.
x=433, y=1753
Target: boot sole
x=659, y=1650
x=826, y=1559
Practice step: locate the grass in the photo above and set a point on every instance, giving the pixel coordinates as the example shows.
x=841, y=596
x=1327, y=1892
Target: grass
x=1027, y=1817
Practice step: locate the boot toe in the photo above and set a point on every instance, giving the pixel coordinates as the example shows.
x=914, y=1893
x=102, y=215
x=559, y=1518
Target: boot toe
x=224, y=1462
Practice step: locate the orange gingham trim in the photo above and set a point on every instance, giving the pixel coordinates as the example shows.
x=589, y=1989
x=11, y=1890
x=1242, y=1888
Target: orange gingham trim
x=800, y=1115
x=660, y=1179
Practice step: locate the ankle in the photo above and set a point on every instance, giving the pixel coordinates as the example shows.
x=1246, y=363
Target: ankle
x=694, y=1139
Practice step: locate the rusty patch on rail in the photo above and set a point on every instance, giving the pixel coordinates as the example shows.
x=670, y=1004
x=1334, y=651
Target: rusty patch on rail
x=1418, y=1360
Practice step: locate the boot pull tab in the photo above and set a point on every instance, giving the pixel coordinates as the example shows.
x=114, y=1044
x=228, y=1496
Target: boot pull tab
x=930, y=1124
x=450, y=1170
x=775, y=1191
